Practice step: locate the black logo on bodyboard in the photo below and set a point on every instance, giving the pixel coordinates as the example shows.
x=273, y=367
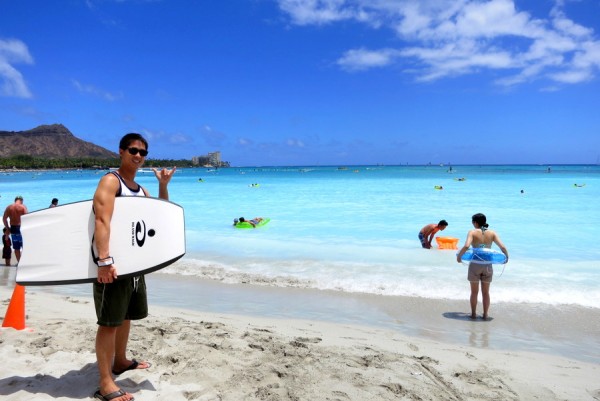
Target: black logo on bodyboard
x=139, y=233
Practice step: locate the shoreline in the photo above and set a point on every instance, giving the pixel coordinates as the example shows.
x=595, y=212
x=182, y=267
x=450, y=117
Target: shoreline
x=219, y=356
x=560, y=330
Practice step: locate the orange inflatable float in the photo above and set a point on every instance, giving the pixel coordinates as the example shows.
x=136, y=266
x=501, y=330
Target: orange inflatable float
x=447, y=242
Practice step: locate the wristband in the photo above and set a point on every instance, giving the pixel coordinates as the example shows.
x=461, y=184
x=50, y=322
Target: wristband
x=105, y=262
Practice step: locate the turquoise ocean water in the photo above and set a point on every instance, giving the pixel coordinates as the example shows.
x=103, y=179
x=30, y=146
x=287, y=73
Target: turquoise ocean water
x=354, y=229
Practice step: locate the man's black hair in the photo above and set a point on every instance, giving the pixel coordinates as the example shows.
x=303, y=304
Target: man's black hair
x=132, y=136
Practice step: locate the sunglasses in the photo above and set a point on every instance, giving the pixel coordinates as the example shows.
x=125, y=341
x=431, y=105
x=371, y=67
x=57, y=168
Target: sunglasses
x=135, y=151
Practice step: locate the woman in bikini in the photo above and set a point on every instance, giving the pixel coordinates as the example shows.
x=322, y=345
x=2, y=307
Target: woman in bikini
x=480, y=237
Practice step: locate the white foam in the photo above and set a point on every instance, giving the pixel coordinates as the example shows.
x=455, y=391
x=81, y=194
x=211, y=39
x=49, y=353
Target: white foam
x=352, y=232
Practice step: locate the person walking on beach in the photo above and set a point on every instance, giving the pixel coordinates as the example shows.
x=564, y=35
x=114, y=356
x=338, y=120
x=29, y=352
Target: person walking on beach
x=118, y=302
x=13, y=214
x=480, y=237
x=428, y=232
x=6, y=243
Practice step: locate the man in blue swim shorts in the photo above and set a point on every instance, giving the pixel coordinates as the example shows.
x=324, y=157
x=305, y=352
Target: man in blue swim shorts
x=12, y=221
x=428, y=232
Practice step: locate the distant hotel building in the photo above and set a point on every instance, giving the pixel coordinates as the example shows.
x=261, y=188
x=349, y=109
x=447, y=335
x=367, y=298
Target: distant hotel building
x=212, y=159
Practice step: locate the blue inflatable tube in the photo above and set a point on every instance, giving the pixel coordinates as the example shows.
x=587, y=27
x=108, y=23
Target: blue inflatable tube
x=484, y=256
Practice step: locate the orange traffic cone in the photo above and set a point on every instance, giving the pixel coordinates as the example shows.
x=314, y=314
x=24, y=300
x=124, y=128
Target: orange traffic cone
x=15, y=314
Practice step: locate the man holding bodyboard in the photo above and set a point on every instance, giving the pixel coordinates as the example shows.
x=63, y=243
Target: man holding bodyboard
x=119, y=301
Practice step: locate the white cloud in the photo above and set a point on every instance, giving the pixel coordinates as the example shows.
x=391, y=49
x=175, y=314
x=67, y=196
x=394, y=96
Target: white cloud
x=306, y=12
x=97, y=92
x=179, y=138
x=362, y=59
x=295, y=143
x=244, y=142
x=444, y=38
x=211, y=136
x=152, y=135
x=493, y=19
x=12, y=83
x=572, y=76
x=563, y=24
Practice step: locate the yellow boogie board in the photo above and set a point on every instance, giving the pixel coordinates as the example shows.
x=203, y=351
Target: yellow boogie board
x=146, y=234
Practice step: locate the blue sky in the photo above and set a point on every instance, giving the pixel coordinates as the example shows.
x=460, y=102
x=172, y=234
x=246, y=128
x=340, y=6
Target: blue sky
x=311, y=82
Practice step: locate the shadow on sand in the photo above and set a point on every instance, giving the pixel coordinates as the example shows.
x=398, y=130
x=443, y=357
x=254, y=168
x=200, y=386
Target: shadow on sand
x=75, y=384
x=465, y=316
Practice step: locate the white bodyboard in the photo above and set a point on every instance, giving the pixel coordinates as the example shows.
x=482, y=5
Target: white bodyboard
x=146, y=234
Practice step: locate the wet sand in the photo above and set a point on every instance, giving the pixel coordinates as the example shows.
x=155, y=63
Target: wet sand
x=242, y=342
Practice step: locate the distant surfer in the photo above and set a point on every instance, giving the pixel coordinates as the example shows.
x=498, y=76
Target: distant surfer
x=118, y=302
x=480, y=237
x=428, y=232
x=12, y=221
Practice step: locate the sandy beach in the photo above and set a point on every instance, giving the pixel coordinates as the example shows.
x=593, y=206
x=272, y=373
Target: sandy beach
x=218, y=356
